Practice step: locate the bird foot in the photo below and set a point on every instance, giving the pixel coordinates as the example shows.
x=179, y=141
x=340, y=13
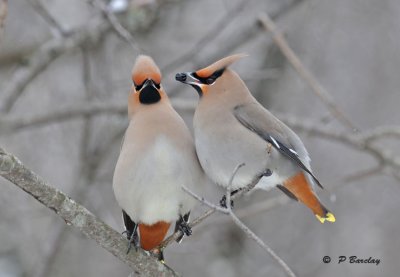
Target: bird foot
x=185, y=228
x=222, y=202
x=267, y=172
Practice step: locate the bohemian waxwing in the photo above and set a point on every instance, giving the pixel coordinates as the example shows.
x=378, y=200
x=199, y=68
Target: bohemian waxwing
x=231, y=127
x=157, y=157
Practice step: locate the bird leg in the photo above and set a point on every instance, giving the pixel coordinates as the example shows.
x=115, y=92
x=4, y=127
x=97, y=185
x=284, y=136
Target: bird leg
x=222, y=202
x=133, y=238
x=130, y=231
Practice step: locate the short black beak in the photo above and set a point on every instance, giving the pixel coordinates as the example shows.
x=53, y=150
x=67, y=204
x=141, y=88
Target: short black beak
x=181, y=77
x=187, y=78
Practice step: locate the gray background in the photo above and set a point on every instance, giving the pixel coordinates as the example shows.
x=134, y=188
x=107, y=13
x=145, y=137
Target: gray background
x=351, y=46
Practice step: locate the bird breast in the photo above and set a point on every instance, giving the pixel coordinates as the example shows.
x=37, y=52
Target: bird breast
x=149, y=188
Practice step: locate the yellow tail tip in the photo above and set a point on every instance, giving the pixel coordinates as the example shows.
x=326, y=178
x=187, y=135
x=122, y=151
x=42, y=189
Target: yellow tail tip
x=328, y=217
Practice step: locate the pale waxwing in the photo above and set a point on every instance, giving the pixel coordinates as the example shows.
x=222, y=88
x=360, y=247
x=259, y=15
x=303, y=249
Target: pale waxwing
x=157, y=157
x=231, y=128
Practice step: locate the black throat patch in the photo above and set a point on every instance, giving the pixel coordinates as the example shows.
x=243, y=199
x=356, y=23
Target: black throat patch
x=149, y=95
x=198, y=89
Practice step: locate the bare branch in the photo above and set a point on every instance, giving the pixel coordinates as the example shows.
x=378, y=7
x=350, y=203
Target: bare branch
x=361, y=141
x=116, y=25
x=204, y=201
x=78, y=216
x=381, y=132
x=318, y=90
x=252, y=210
x=47, y=53
x=247, y=231
x=228, y=188
x=3, y=13
x=207, y=38
x=11, y=124
x=68, y=113
x=243, y=34
x=364, y=173
x=88, y=167
x=239, y=223
x=263, y=245
x=55, y=27
x=204, y=216
x=357, y=141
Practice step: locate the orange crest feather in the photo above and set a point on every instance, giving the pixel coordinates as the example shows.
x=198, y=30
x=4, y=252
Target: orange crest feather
x=222, y=63
x=145, y=68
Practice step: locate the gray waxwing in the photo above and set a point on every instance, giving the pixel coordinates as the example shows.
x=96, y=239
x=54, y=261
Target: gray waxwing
x=231, y=128
x=157, y=157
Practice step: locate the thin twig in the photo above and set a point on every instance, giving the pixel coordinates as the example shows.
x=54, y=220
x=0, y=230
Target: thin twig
x=78, y=216
x=354, y=140
x=241, y=35
x=3, y=13
x=228, y=210
x=263, y=245
x=363, y=174
x=13, y=124
x=84, y=181
x=54, y=25
x=10, y=124
x=252, y=210
x=206, y=214
x=381, y=132
x=45, y=55
x=90, y=33
x=215, y=30
x=116, y=25
x=228, y=188
x=316, y=87
x=247, y=230
x=204, y=201
x=360, y=141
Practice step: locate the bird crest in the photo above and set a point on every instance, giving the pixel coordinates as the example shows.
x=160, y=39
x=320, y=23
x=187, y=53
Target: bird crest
x=145, y=68
x=218, y=65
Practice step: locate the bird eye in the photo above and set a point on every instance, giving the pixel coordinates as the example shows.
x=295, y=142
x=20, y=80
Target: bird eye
x=138, y=87
x=149, y=81
x=157, y=85
x=209, y=81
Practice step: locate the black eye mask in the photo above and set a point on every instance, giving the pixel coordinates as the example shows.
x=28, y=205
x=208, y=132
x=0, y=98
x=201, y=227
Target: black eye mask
x=139, y=87
x=210, y=79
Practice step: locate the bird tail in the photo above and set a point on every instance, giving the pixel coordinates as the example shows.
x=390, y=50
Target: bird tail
x=299, y=188
x=152, y=235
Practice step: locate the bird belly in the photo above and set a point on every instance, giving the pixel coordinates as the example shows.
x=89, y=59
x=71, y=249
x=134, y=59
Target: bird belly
x=221, y=152
x=149, y=190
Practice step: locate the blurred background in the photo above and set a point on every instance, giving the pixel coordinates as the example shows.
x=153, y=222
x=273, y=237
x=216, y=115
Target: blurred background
x=64, y=80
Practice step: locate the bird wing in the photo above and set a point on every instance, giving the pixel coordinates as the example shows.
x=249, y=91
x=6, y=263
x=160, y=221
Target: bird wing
x=257, y=119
